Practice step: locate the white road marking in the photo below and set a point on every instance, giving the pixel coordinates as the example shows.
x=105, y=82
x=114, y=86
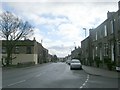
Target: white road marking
x=39, y=74
x=85, y=82
x=88, y=76
x=81, y=87
x=87, y=79
x=16, y=82
x=24, y=80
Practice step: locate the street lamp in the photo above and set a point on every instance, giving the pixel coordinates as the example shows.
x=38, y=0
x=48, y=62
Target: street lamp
x=85, y=31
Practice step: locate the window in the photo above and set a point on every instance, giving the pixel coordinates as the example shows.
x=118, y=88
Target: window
x=105, y=49
x=16, y=50
x=28, y=50
x=0, y=50
x=114, y=20
x=96, y=36
x=93, y=37
x=101, y=33
x=105, y=32
x=111, y=26
x=3, y=50
x=100, y=53
x=119, y=18
x=112, y=51
x=96, y=50
x=119, y=48
x=93, y=54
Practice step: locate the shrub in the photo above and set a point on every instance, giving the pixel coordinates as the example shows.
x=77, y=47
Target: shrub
x=91, y=61
x=109, y=63
x=97, y=61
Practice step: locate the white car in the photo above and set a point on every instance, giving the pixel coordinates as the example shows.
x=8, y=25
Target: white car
x=75, y=64
x=118, y=68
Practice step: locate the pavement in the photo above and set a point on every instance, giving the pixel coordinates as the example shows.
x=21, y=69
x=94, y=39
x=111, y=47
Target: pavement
x=101, y=72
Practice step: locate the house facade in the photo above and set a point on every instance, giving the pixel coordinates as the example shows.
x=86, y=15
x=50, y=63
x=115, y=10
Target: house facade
x=76, y=53
x=85, y=50
x=25, y=51
x=104, y=41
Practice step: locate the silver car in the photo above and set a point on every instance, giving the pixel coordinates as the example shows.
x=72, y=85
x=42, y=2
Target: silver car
x=75, y=64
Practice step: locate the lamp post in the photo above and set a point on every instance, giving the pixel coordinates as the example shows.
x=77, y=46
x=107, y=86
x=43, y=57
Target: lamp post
x=85, y=31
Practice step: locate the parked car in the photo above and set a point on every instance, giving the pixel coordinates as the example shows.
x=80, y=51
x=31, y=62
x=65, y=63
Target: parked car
x=118, y=68
x=75, y=64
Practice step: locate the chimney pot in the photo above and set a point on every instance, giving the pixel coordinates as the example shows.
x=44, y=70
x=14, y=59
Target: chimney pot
x=34, y=38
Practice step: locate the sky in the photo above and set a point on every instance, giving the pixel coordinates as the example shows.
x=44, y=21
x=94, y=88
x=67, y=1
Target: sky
x=59, y=23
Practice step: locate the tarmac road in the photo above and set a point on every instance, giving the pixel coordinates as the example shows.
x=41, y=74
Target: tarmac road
x=54, y=75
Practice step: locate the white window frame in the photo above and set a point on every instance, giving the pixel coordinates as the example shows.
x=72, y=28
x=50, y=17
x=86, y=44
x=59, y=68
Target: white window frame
x=96, y=35
x=105, y=30
x=96, y=50
x=105, y=49
x=101, y=54
x=112, y=52
x=111, y=26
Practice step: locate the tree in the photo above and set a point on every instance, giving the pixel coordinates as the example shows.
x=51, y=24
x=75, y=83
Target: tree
x=13, y=29
x=54, y=58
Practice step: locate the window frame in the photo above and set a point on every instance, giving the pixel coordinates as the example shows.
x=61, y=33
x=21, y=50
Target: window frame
x=28, y=50
x=106, y=49
x=4, y=51
x=105, y=30
x=16, y=50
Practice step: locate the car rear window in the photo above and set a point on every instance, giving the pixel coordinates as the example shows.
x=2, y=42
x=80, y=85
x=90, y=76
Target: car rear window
x=75, y=61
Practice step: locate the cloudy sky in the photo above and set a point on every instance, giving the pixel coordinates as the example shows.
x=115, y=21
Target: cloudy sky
x=59, y=24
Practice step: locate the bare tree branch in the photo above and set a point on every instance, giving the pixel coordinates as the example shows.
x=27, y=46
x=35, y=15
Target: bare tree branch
x=12, y=29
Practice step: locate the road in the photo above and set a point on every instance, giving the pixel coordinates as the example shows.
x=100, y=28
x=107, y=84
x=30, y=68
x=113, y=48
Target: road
x=54, y=75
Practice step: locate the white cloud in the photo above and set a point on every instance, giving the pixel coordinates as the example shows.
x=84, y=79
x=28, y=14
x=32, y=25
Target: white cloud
x=37, y=35
x=60, y=50
x=44, y=1
x=1, y=8
x=80, y=15
x=69, y=32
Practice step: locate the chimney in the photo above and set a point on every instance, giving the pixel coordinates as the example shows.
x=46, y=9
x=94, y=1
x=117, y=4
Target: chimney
x=109, y=14
x=34, y=39
x=119, y=5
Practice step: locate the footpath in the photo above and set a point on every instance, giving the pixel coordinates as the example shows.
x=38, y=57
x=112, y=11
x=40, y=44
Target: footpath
x=101, y=72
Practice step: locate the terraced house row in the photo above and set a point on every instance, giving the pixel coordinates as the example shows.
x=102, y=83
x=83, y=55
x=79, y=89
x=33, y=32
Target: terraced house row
x=103, y=42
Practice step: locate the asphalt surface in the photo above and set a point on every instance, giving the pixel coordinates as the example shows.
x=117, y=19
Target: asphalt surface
x=54, y=75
